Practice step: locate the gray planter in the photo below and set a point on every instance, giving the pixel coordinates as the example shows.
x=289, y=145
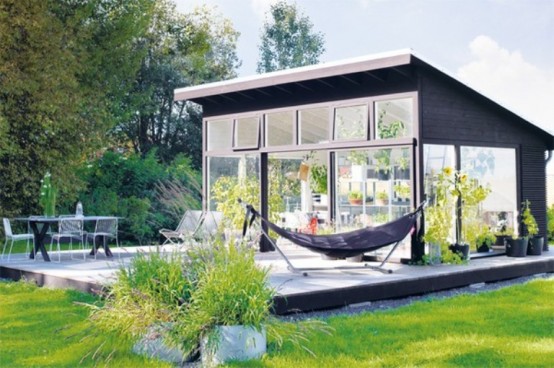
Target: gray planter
x=152, y=345
x=233, y=343
x=535, y=246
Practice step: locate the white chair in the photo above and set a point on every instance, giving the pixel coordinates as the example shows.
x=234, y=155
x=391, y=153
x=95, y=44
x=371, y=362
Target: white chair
x=106, y=228
x=71, y=228
x=14, y=237
x=210, y=226
x=187, y=228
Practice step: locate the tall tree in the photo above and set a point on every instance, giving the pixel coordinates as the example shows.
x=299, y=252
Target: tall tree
x=183, y=50
x=288, y=40
x=62, y=66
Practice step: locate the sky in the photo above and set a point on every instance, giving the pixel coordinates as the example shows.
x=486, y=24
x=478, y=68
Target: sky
x=502, y=48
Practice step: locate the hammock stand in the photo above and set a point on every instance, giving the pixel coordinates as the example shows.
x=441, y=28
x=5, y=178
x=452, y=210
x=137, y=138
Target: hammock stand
x=340, y=245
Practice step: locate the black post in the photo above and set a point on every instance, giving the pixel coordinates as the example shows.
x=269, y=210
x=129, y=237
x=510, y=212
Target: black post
x=265, y=245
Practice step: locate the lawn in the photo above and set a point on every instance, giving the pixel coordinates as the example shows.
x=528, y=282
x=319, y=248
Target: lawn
x=512, y=327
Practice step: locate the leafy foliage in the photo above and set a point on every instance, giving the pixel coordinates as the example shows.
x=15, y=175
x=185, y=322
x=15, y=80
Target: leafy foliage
x=132, y=187
x=183, y=50
x=550, y=215
x=531, y=227
x=62, y=66
x=288, y=40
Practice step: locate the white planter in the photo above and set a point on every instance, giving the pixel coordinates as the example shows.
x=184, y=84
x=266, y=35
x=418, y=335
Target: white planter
x=359, y=172
x=233, y=343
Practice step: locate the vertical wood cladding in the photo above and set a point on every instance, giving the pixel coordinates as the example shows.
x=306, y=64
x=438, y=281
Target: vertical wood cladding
x=452, y=114
x=533, y=179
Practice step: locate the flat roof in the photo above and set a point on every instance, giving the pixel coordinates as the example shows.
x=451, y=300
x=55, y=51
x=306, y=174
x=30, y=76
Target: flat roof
x=317, y=71
x=368, y=63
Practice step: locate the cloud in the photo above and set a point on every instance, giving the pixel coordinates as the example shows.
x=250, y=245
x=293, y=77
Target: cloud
x=506, y=77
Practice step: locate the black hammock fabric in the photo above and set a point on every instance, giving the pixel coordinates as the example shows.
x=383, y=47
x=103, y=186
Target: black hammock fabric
x=348, y=244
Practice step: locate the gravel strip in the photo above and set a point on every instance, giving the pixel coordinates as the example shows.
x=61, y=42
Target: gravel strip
x=395, y=303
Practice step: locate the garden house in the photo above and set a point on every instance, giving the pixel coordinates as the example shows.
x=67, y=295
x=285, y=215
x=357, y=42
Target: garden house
x=355, y=143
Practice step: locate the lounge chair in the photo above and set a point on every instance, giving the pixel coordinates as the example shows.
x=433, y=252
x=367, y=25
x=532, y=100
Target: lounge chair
x=187, y=227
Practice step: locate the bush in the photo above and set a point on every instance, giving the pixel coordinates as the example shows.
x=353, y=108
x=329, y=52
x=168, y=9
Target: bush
x=550, y=227
x=129, y=186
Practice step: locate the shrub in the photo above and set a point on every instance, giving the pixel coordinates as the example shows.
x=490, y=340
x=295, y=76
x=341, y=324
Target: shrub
x=550, y=227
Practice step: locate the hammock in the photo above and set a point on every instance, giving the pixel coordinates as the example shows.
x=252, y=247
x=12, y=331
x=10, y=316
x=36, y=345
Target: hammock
x=343, y=245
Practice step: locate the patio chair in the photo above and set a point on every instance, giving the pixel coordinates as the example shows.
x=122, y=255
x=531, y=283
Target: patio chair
x=210, y=225
x=106, y=228
x=187, y=227
x=69, y=228
x=14, y=237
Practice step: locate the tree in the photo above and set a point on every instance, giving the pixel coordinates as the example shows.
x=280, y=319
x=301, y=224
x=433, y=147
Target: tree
x=183, y=50
x=63, y=67
x=288, y=40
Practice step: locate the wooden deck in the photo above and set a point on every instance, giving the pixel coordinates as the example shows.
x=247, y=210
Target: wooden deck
x=319, y=290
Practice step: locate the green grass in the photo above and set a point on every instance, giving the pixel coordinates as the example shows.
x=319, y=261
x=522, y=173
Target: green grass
x=512, y=327
x=45, y=328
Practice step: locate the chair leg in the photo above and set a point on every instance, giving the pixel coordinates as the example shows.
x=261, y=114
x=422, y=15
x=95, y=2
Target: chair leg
x=4, y=249
x=10, y=252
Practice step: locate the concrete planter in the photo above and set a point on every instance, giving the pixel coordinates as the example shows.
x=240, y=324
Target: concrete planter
x=233, y=343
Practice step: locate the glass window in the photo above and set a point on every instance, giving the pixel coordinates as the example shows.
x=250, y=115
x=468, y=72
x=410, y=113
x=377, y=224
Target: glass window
x=247, y=132
x=314, y=125
x=220, y=133
x=494, y=168
x=350, y=123
x=394, y=118
x=279, y=128
x=230, y=178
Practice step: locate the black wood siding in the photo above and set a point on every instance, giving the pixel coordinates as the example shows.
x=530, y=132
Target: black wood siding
x=453, y=114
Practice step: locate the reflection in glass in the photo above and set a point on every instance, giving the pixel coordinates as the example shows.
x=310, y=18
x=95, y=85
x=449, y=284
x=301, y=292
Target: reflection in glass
x=314, y=125
x=230, y=178
x=247, y=132
x=394, y=118
x=279, y=128
x=220, y=133
x=350, y=123
x=495, y=168
x=366, y=196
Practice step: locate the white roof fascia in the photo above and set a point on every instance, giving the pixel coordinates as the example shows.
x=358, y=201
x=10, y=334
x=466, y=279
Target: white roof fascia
x=347, y=66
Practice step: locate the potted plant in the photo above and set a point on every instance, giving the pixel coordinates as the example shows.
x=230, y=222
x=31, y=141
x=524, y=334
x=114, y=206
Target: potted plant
x=48, y=194
x=355, y=197
x=402, y=192
x=382, y=163
x=358, y=161
x=536, y=243
x=402, y=169
x=381, y=198
x=229, y=307
x=484, y=241
x=318, y=182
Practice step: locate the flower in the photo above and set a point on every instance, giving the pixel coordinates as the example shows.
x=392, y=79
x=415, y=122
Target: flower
x=447, y=171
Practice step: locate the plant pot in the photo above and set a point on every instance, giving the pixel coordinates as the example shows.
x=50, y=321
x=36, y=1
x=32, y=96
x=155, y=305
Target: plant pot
x=381, y=202
x=152, y=345
x=501, y=239
x=355, y=202
x=516, y=247
x=434, y=253
x=460, y=249
x=383, y=175
x=535, y=246
x=359, y=172
x=483, y=248
x=233, y=343
x=401, y=174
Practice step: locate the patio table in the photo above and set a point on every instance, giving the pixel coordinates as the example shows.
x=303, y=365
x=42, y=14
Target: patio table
x=41, y=231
